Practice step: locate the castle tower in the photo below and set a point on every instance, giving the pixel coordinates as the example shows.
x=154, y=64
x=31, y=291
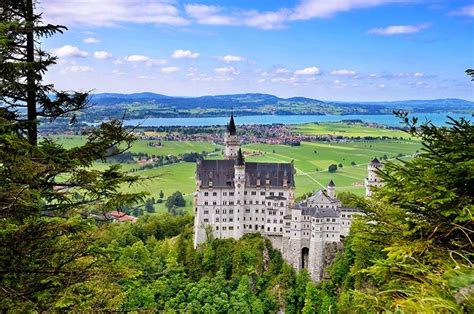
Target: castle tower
x=231, y=141
x=239, y=194
x=373, y=180
x=331, y=189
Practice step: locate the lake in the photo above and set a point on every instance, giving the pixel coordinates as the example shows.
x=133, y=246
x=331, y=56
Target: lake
x=389, y=120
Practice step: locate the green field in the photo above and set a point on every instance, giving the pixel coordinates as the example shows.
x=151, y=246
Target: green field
x=311, y=161
x=346, y=130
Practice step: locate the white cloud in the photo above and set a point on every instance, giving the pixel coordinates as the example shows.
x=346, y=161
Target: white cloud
x=282, y=71
x=309, y=9
x=304, y=10
x=381, y=86
x=145, y=59
x=117, y=72
x=308, y=71
x=464, y=11
x=69, y=51
x=418, y=74
x=231, y=58
x=101, y=55
x=91, y=40
x=284, y=80
x=112, y=12
x=78, y=68
x=373, y=75
x=169, y=70
x=398, y=29
x=184, y=54
x=343, y=73
x=226, y=71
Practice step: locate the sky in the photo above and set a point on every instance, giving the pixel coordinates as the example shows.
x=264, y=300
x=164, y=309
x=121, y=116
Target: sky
x=345, y=50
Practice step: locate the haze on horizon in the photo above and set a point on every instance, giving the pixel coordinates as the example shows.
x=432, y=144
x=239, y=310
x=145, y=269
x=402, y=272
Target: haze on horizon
x=342, y=50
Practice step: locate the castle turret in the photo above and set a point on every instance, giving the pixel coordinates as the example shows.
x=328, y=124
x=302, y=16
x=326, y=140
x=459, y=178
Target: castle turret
x=373, y=180
x=239, y=194
x=231, y=141
x=331, y=189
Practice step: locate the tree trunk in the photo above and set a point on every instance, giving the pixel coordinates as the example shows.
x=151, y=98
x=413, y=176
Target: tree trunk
x=30, y=77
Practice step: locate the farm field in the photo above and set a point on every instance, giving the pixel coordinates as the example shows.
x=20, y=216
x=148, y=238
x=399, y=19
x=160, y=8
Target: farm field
x=311, y=162
x=347, y=130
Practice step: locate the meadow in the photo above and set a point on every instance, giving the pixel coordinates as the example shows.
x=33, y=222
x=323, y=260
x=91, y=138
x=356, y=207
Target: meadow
x=347, y=130
x=311, y=160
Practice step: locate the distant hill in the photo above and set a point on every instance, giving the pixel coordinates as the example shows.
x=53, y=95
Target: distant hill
x=141, y=105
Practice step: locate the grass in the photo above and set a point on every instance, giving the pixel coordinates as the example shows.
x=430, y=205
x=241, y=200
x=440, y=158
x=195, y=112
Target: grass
x=347, y=130
x=311, y=161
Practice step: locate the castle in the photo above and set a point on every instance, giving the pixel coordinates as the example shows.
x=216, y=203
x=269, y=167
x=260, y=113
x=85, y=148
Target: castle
x=234, y=197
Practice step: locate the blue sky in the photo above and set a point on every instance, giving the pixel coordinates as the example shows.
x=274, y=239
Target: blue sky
x=326, y=49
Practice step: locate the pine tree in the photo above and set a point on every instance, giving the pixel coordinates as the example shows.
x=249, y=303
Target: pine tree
x=50, y=198
x=23, y=64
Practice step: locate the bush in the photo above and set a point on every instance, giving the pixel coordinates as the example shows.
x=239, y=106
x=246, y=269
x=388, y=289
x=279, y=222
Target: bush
x=332, y=168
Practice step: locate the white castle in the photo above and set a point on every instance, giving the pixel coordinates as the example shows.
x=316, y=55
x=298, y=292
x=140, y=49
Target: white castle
x=234, y=197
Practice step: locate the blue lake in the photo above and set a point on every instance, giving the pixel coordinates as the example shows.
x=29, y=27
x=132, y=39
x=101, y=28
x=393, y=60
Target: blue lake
x=389, y=120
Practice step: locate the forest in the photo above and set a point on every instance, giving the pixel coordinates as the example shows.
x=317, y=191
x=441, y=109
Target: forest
x=410, y=251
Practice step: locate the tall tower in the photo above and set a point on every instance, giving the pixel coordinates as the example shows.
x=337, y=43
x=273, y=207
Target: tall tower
x=373, y=180
x=239, y=194
x=232, y=143
x=331, y=188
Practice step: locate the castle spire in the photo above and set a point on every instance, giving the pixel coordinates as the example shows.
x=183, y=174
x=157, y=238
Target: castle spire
x=240, y=161
x=231, y=126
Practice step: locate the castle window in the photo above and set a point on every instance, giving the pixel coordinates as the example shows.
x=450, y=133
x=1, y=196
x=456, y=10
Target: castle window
x=238, y=201
x=224, y=211
x=217, y=227
x=274, y=221
x=231, y=228
x=231, y=203
x=206, y=212
x=332, y=228
x=280, y=194
x=256, y=202
x=245, y=192
x=334, y=220
x=281, y=204
x=206, y=220
x=224, y=193
x=224, y=219
x=231, y=193
x=281, y=221
x=281, y=229
x=224, y=203
x=262, y=193
x=214, y=193
x=217, y=211
x=268, y=228
x=327, y=235
x=231, y=219
x=217, y=219
x=247, y=210
x=231, y=211
x=245, y=202
x=206, y=193
x=256, y=211
x=254, y=193
x=214, y=203
x=274, y=229
x=272, y=193
x=206, y=203
x=268, y=220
